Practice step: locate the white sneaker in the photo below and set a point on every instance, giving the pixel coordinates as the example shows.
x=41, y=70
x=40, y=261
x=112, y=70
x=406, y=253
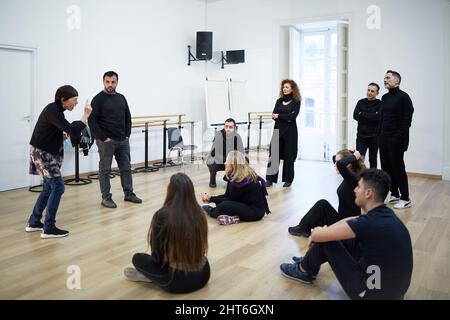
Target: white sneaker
x=391, y=199
x=133, y=275
x=403, y=204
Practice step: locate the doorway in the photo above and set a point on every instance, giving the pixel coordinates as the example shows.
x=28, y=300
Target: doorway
x=16, y=98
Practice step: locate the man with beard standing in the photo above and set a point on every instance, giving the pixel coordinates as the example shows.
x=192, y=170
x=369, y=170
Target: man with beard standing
x=110, y=123
x=396, y=118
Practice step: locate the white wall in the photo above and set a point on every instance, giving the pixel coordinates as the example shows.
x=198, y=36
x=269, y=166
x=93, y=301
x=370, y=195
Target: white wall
x=411, y=41
x=144, y=41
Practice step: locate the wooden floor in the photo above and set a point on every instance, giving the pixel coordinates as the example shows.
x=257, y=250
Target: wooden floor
x=245, y=258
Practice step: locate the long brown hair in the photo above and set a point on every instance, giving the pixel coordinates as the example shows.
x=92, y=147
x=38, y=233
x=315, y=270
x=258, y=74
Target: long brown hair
x=184, y=233
x=295, y=89
x=240, y=169
x=357, y=166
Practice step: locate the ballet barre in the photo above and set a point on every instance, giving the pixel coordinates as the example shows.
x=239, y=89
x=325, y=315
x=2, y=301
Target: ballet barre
x=146, y=124
x=164, y=123
x=256, y=116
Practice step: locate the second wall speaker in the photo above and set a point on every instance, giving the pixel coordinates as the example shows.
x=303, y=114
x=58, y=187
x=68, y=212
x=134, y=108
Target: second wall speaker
x=204, y=45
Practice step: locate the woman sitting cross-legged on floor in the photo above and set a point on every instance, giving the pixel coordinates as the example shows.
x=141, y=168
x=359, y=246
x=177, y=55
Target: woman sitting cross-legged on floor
x=245, y=196
x=349, y=164
x=178, y=237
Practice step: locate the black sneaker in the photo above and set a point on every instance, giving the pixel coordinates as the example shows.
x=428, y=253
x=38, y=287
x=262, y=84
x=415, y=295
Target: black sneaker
x=298, y=232
x=54, y=233
x=132, y=198
x=269, y=183
x=109, y=203
x=212, y=185
x=287, y=184
x=34, y=227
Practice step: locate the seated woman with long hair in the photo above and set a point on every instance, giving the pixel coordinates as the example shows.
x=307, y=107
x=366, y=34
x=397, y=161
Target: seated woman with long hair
x=349, y=164
x=245, y=196
x=178, y=238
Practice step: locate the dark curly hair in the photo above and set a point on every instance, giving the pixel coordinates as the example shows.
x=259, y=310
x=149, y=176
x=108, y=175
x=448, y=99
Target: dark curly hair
x=295, y=89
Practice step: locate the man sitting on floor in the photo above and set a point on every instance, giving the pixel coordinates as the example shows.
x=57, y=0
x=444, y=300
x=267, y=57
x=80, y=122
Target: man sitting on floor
x=371, y=255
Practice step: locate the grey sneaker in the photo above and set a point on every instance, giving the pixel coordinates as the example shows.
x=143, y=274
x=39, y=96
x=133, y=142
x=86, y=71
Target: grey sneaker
x=109, y=203
x=291, y=271
x=132, y=198
x=299, y=260
x=133, y=275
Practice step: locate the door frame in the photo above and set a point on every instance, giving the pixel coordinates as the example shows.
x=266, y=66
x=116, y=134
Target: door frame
x=33, y=98
x=326, y=114
x=279, y=70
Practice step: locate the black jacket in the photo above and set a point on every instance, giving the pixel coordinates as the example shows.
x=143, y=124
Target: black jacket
x=367, y=113
x=48, y=131
x=246, y=192
x=224, y=144
x=110, y=117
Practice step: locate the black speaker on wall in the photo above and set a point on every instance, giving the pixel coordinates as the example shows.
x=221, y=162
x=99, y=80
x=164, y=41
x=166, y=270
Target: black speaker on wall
x=235, y=56
x=204, y=45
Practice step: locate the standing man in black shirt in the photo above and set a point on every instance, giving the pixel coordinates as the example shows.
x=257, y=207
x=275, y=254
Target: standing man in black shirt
x=396, y=116
x=367, y=113
x=110, y=123
x=371, y=255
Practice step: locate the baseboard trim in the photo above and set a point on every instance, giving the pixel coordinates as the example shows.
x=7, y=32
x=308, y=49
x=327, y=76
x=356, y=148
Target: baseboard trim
x=424, y=175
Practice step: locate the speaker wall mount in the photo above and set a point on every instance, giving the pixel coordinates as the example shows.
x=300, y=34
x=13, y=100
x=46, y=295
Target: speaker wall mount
x=191, y=57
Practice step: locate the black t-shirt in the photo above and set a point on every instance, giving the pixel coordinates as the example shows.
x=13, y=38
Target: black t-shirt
x=385, y=242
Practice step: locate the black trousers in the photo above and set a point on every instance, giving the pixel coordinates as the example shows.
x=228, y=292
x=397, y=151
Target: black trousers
x=288, y=172
x=172, y=281
x=321, y=213
x=362, y=144
x=391, y=156
x=287, y=152
x=234, y=208
x=213, y=169
x=343, y=257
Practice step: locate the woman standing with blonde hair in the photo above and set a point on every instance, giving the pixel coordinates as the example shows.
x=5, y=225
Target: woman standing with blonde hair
x=245, y=196
x=285, y=135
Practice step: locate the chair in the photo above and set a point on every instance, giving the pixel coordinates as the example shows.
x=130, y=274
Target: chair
x=176, y=144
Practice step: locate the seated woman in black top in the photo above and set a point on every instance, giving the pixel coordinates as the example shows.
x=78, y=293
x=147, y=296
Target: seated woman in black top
x=178, y=238
x=46, y=156
x=349, y=164
x=245, y=197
